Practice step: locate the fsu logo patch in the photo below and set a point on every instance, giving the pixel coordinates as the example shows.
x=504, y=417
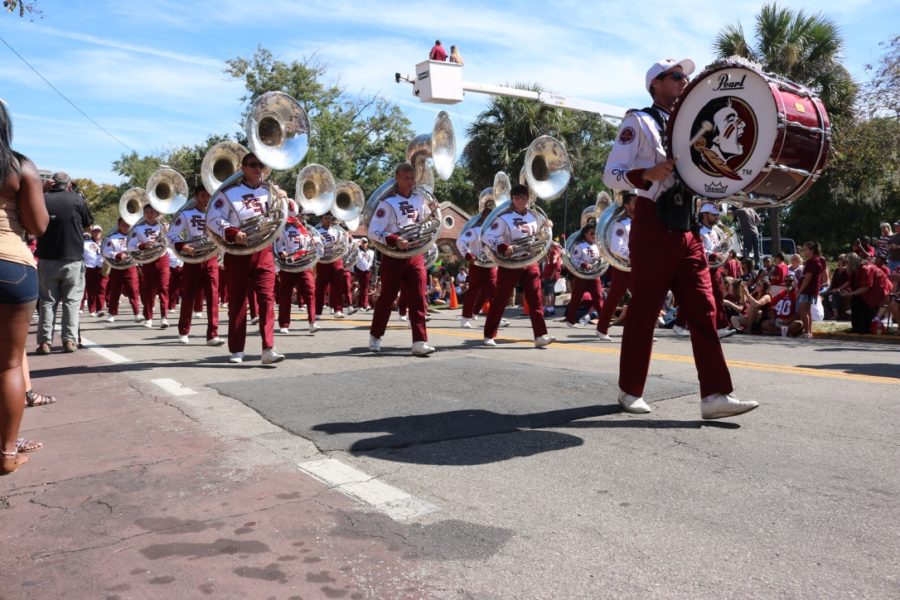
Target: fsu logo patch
x=620, y=232
x=495, y=225
x=626, y=136
x=379, y=213
x=220, y=203
x=178, y=221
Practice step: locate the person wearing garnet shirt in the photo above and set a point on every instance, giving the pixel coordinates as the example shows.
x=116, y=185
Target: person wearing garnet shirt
x=815, y=272
x=868, y=288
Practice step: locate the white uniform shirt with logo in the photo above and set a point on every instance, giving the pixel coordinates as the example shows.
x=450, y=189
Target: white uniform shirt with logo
x=396, y=212
x=145, y=234
x=92, y=256
x=116, y=243
x=234, y=205
x=331, y=236
x=470, y=242
x=585, y=254
x=638, y=145
x=293, y=240
x=365, y=260
x=189, y=225
x=509, y=227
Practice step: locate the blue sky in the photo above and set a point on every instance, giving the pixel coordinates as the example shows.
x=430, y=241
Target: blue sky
x=151, y=72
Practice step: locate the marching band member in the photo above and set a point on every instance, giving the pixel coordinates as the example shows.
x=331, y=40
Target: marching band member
x=584, y=254
x=94, y=280
x=198, y=279
x=404, y=208
x=621, y=280
x=516, y=223
x=330, y=277
x=246, y=198
x=709, y=216
x=482, y=280
x=348, y=281
x=115, y=249
x=296, y=241
x=662, y=255
x=154, y=275
x=363, y=272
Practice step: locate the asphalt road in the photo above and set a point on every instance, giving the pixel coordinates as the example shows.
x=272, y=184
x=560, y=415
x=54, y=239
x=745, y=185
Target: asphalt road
x=508, y=472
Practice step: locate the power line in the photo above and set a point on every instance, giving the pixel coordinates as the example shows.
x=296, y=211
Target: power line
x=64, y=97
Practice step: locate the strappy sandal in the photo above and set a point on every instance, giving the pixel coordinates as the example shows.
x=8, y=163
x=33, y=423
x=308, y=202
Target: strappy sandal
x=24, y=446
x=10, y=462
x=33, y=398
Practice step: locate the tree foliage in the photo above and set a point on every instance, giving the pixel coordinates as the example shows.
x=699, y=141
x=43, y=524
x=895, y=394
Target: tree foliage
x=881, y=95
x=23, y=8
x=359, y=138
x=499, y=138
x=103, y=200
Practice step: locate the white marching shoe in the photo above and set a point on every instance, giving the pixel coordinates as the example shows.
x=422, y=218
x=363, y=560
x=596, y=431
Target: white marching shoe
x=504, y=322
x=374, y=344
x=726, y=332
x=138, y=318
x=489, y=342
x=313, y=328
x=338, y=314
x=465, y=323
x=254, y=320
x=603, y=337
x=111, y=319
x=271, y=356
x=148, y=323
x=404, y=318
x=198, y=315
x=633, y=404
x=284, y=330
x=216, y=341
x=183, y=339
x=543, y=341
x=164, y=324
x=719, y=406
x=237, y=357
x=421, y=349
x=574, y=325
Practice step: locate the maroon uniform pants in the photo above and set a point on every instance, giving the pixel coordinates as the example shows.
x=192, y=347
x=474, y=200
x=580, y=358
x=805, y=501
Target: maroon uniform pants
x=155, y=283
x=198, y=280
x=223, y=285
x=621, y=281
x=663, y=259
x=250, y=275
x=305, y=284
x=482, y=287
x=363, y=278
x=94, y=288
x=530, y=278
x=175, y=285
x=122, y=280
x=715, y=276
x=330, y=278
x=407, y=274
x=579, y=288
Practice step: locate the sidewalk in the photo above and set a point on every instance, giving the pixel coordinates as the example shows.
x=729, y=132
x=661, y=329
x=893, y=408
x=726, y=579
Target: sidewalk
x=132, y=498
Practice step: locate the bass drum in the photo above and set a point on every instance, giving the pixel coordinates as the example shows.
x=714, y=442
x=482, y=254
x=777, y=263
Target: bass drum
x=766, y=140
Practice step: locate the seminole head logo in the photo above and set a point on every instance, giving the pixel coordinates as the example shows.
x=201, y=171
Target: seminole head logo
x=726, y=147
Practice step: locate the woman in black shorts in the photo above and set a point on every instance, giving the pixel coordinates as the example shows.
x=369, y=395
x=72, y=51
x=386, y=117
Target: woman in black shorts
x=22, y=210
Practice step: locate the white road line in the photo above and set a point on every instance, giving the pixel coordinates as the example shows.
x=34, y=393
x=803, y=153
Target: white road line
x=173, y=387
x=394, y=502
x=109, y=355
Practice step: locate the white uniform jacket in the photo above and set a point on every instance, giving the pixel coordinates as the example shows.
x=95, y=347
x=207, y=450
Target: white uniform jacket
x=296, y=241
x=584, y=254
x=189, y=225
x=144, y=235
x=470, y=243
x=710, y=238
x=365, y=260
x=509, y=227
x=116, y=244
x=618, y=234
x=92, y=257
x=233, y=206
x=396, y=212
x=638, y=146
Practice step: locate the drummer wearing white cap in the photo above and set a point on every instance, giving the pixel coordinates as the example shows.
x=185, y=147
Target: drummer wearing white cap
x=664, y=251
x=709, y=217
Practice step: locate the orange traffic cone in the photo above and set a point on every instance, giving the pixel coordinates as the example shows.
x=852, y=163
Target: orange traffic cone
x=454, y=301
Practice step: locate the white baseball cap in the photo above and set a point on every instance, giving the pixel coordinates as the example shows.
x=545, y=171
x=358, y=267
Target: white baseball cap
x=658, y=68
x=709, y=208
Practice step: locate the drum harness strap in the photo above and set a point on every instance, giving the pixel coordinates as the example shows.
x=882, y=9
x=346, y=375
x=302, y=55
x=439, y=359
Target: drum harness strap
x=674, y=207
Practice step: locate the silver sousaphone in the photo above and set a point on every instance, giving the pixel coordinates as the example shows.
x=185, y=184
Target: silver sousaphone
x=437, y=150
x=490, y=198
x=547, y=170
x=612, y=224
x=278, y=131
x=589, y=217
x=167, y=193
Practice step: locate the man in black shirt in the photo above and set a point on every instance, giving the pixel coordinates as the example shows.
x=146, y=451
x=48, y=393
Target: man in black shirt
x=61, y=263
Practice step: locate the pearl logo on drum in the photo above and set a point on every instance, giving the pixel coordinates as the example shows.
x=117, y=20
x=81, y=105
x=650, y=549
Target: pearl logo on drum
x=725, y=83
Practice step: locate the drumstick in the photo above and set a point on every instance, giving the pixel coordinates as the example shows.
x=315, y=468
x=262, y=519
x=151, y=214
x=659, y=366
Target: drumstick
x=705, y=127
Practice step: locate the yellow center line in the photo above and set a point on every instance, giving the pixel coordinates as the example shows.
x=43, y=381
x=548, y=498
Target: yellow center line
x=677, y=358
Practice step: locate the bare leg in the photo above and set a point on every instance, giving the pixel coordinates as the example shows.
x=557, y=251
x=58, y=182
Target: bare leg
x=14, y=321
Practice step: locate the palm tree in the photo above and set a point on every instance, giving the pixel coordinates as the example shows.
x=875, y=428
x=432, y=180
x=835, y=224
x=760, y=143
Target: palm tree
x=802, y=48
